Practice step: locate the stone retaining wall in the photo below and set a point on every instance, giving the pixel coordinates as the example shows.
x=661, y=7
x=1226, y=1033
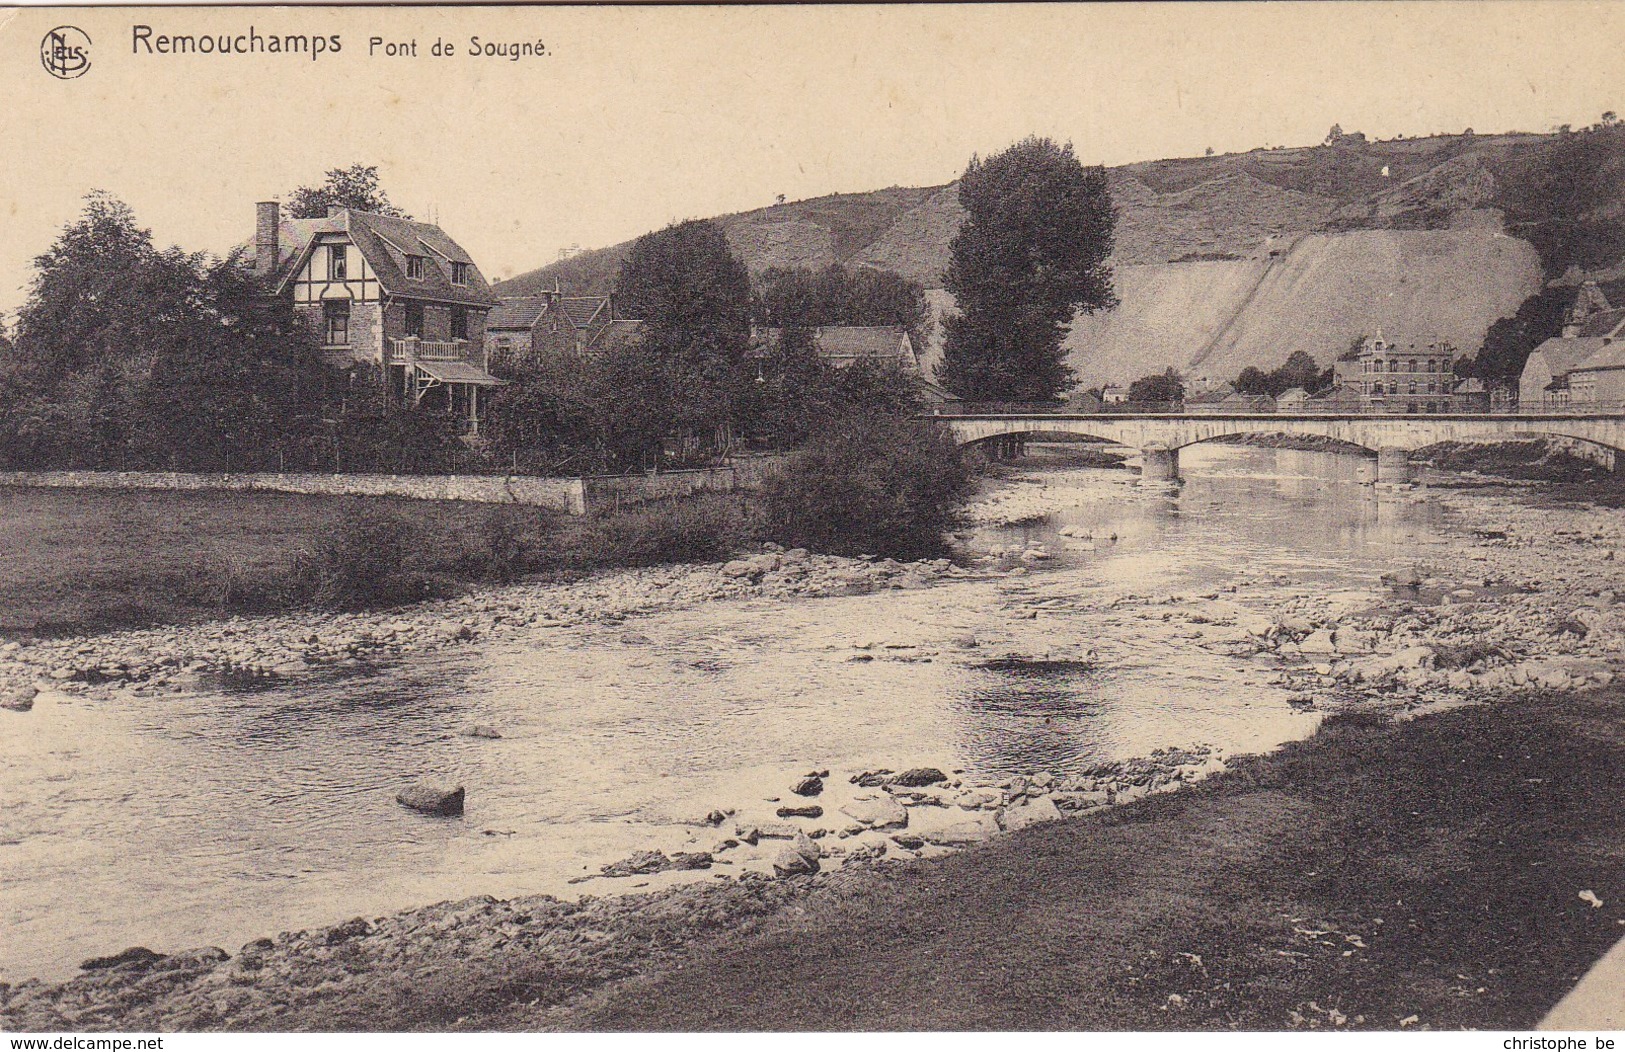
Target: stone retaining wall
x=575, y=496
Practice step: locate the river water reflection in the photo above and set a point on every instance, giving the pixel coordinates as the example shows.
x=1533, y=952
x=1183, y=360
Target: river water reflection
x=213, y=818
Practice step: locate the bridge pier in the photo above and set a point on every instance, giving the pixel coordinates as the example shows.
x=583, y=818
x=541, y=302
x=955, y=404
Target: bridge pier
x=1158, y=463
x=1393, y=466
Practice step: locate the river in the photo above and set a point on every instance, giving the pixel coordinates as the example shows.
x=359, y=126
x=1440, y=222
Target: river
x=212, y=817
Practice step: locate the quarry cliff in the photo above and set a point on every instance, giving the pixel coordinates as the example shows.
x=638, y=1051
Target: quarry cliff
x=1221, y=262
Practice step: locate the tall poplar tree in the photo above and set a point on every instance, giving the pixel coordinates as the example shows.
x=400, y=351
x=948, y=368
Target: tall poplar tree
x=1031, y=253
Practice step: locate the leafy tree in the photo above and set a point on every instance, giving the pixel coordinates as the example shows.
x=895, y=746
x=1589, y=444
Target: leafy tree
x=693, y=295
x=834, y=295
x=877, y=485
x=1031, y=252
x=1158, y=387
x=1252, y=381
x=131, y=356
x=353, y=187
x=1299, y=370
x=1508, y=342
x=594, y=413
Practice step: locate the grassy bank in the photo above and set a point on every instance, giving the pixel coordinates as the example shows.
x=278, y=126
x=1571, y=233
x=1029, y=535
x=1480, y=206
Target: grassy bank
x=89, y=560
x=1425, y=873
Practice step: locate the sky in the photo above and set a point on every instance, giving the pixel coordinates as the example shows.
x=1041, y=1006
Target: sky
x=636, y=117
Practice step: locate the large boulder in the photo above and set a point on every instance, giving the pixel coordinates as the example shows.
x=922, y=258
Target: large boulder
x=799, y=857
x=1318, y=642
x=963, y=833
x=811, y=785
x=1029, y=813
x=919, y=776
x=136, y=957
x=18, y=699
x=877, y=813
x=444, y=801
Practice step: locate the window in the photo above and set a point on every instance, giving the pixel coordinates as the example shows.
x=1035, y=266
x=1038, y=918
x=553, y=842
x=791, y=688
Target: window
x=414, y=267
x=336, y=323
x=338, y=262
x=459, y=273
x=414, y=320
x=459, y=323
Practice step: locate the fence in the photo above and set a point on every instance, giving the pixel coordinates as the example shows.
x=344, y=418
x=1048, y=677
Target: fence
x=574, y=496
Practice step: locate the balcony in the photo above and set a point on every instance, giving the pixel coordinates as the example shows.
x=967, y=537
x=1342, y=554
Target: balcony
x=412, y=349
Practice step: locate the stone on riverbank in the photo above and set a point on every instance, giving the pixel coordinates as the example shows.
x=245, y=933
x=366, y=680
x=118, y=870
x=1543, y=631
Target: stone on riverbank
x=963, y=833
x=1029, y=813
x=439, y=800
x=18, y=699
x=135, y=956
x=805, y=811
x=918, y=777
x=878, y=813
x=811, y=785
x=800, y=857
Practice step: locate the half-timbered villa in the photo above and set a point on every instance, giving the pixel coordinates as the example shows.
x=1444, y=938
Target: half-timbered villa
x=395, y=294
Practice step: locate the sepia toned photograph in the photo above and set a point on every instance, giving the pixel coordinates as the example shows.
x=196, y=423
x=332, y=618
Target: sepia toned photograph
x=1080, y=517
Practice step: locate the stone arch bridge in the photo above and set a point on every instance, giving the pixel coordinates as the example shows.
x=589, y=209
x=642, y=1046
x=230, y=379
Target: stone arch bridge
x=1160, y=436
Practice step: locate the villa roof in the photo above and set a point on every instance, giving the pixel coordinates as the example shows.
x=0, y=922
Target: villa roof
x=385, y=242
x=516, y=312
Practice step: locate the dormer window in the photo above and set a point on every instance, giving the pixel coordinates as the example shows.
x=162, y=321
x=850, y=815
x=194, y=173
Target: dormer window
x=459, y=273
x=414, y=267
x=338, y=262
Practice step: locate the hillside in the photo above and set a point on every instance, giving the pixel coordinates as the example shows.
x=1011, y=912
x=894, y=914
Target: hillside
x=1213, y=319
x=1222, y=261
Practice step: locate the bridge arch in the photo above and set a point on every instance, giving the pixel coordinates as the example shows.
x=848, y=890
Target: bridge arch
x=1160, y=436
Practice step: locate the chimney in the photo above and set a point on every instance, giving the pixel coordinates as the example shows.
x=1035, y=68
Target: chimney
x=267, y=217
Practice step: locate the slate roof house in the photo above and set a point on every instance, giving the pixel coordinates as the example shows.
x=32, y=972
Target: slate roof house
x=1582, y=366
x=392, y=293
x=551, y=324
x=882, y=346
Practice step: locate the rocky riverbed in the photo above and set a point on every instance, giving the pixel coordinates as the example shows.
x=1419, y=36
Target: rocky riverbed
x=246, y=651
x=1516, y=596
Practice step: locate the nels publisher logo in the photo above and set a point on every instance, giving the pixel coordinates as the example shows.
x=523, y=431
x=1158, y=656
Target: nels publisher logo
x=65, y=52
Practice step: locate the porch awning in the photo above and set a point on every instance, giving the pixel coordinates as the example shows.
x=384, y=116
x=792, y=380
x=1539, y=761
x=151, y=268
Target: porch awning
x=459, y=373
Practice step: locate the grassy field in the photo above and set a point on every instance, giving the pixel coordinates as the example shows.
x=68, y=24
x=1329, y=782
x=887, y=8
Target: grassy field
x=79, y=561
x=1378, y=876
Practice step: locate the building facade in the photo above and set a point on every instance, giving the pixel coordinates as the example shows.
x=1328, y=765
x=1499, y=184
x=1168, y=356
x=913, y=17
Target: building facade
x=551, y=325
x=1406, y=377
x=385, y=294
x=1582, y=366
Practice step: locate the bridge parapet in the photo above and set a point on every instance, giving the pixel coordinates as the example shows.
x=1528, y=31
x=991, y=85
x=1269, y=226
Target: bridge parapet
x=1171, y=432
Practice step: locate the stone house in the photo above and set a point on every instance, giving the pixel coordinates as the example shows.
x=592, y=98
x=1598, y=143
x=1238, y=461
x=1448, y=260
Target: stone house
x=1405, y=376
x=1243, y=404
x=1599, y=381
x=881, y=346
x=394, y=294
x=1292, y=400
x=551, y=325
x=1576, y=367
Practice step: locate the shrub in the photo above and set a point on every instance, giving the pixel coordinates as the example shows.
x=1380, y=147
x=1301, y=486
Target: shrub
x=361, y=561
x=510, y=543
x=705, y=529
x=878, y=485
